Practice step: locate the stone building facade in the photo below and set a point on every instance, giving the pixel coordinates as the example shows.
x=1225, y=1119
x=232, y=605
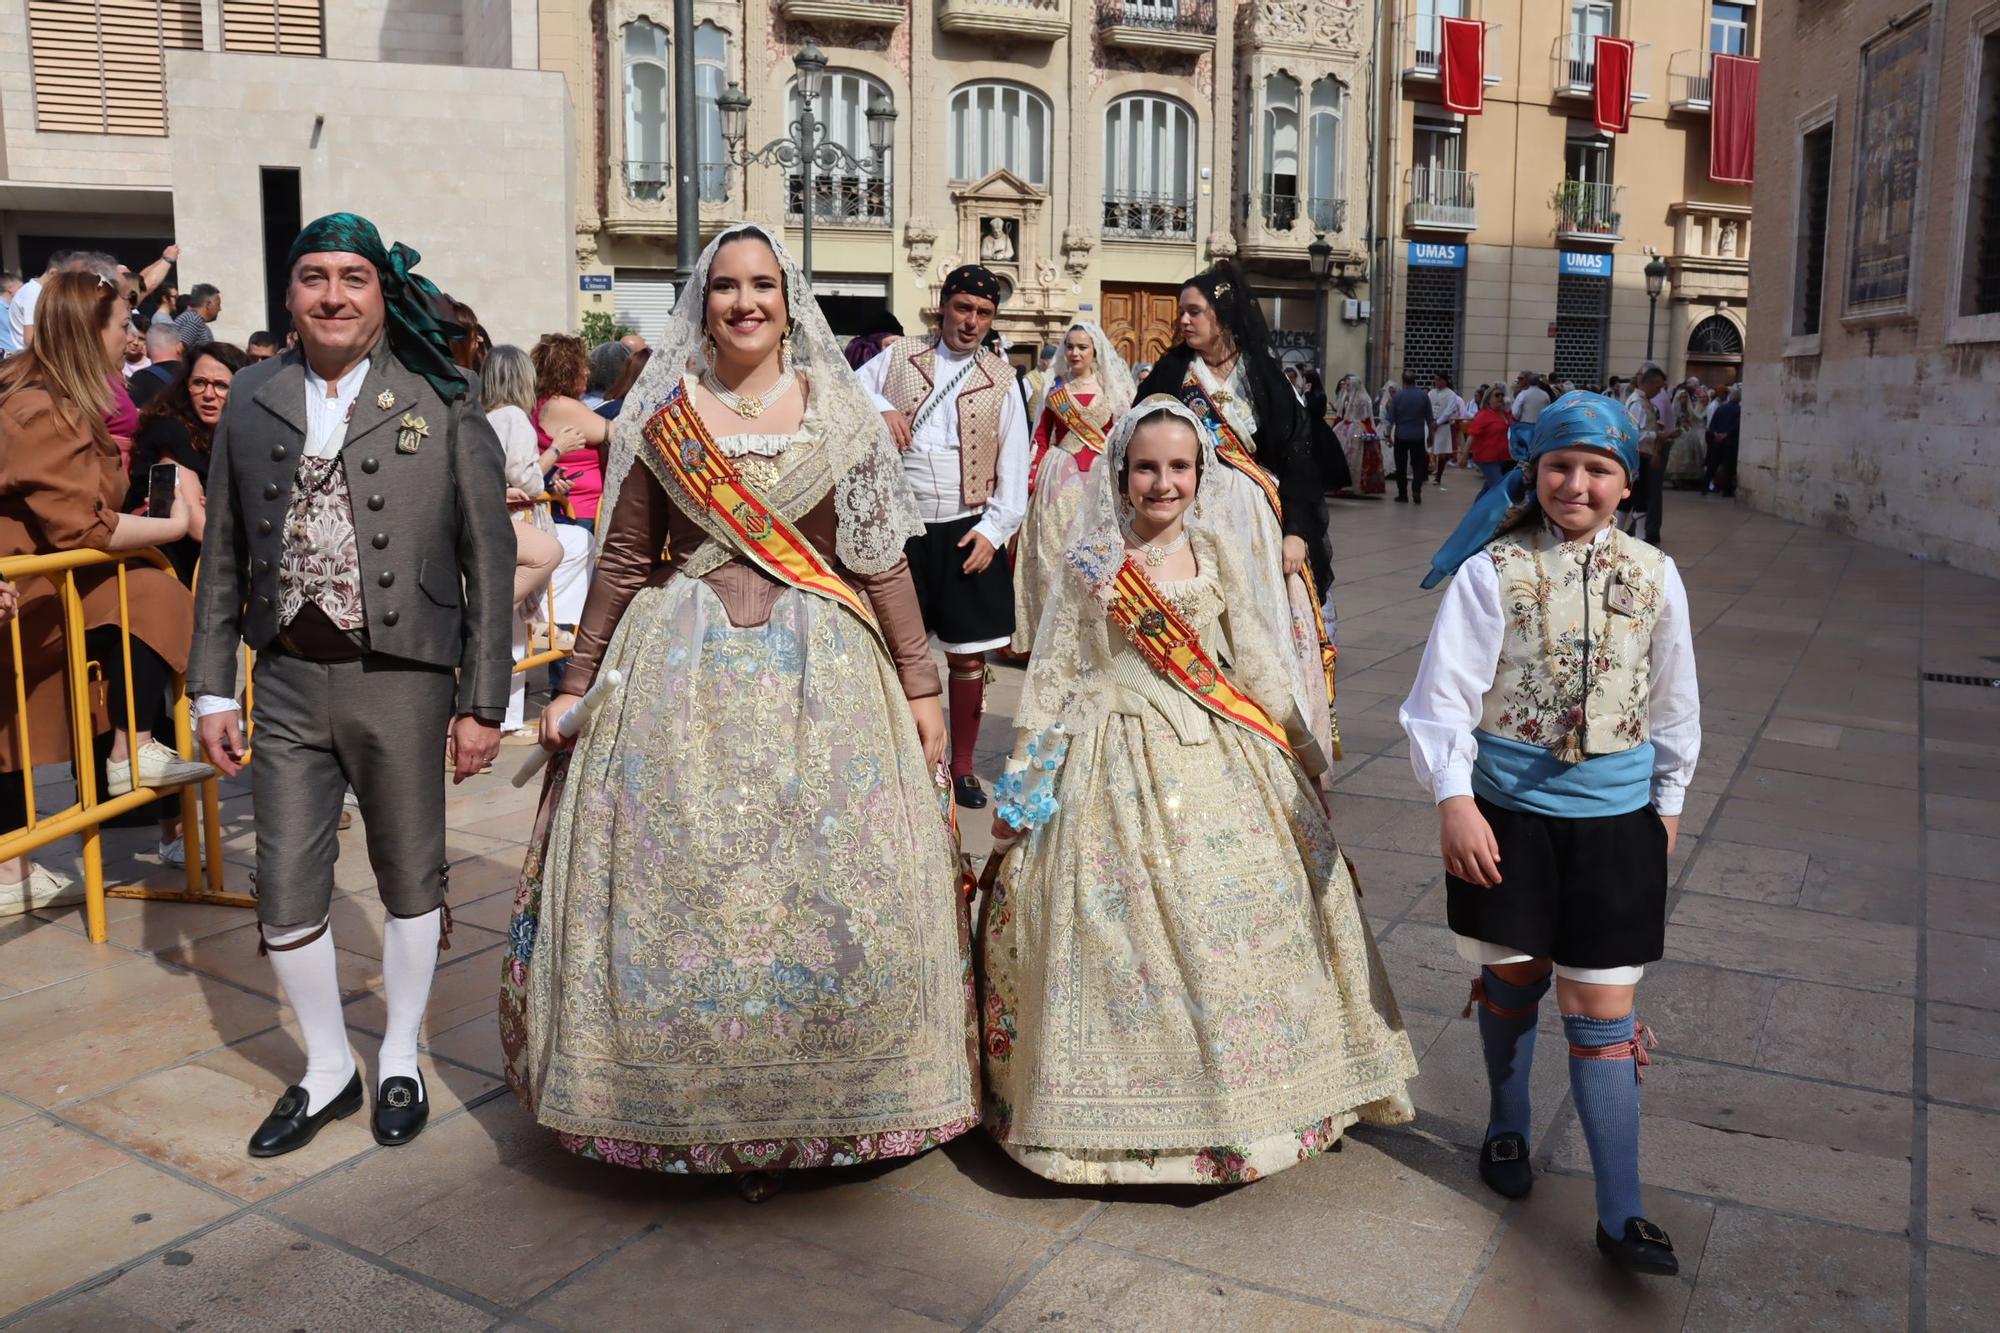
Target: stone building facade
x=1875, y=340
x=1098, y=152
x=221, y=124
x=1517, y=238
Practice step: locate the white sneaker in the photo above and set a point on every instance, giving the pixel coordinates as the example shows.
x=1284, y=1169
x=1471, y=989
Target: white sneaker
x=173, y=852
x=158, y=767
x=42, y=888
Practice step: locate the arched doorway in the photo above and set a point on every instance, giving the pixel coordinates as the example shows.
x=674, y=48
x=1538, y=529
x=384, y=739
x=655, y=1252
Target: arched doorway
x=1715, y=351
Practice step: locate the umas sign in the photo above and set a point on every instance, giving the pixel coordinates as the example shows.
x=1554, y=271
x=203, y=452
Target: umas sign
x=1426, y=254
x=1584, y=264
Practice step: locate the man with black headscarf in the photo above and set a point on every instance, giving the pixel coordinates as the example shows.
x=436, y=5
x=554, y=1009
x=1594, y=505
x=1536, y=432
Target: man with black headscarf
x=356, y=541
x=954, y=410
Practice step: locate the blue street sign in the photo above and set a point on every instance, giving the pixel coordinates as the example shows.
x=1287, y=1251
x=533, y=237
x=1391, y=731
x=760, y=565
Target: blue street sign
x=1584, y=263
x=1427, y=254
x=594, y=282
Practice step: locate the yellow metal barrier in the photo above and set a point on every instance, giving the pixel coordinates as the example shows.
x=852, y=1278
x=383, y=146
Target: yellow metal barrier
x=86, y=817
x=201, y=822
x=540, y=507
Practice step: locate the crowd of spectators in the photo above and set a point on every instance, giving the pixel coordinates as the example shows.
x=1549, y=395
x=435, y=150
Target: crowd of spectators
x=110, y=373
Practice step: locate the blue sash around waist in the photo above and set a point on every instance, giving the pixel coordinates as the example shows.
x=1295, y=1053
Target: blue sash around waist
x=1519, y=776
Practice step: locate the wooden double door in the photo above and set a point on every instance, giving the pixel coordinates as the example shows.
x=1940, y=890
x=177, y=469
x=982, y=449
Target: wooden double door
x=1141, y=321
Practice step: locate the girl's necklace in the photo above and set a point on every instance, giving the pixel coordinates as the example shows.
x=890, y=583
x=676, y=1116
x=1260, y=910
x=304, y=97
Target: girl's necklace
x=747, y=406
x=1157, y=555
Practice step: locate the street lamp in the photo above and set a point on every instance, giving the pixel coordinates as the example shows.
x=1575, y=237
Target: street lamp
x=803, y=149
x=1656, y=282
x=1319, y=258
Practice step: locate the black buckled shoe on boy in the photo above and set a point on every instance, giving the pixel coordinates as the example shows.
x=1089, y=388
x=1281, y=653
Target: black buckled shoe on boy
x=1503, y=1165
x=288, y=1127
x=967, y=792
x=1644, y=1248
x=401, y=1110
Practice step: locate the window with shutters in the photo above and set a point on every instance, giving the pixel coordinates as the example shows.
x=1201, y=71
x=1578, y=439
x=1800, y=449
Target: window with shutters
x=275, y=27
x=1979, y=285
x=1809, y=264
x=99, y=65
x=996, y=125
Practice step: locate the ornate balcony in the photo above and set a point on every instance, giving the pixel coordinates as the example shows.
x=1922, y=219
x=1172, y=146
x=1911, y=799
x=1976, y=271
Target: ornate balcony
x=860, y=13
x=1588, y=211
x=1690, y=81
x=1158, y=25
x=1148, y=217
x=1286, y=212
x=1441, y=200
x=1574, y=58
x=840, y=199
x=1711, y=255
x=653, y=182
x=1423, y=46
x=1009, y=20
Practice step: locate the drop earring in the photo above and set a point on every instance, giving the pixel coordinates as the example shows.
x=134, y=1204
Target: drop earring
x=785, y=353
x=1125, y=507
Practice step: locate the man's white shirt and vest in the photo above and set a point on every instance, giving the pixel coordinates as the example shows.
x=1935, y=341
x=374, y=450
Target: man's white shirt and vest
x=968, y=451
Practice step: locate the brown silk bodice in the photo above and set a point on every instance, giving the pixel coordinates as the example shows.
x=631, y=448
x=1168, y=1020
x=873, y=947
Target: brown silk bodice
x=649, y=536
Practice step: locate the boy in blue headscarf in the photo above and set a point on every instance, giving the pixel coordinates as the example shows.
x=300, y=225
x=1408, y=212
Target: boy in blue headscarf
x=1555, y=720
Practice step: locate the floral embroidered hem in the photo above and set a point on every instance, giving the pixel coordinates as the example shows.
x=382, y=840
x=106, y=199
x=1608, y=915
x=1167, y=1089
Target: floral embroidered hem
x=1230, y=1164
x=771, y=1155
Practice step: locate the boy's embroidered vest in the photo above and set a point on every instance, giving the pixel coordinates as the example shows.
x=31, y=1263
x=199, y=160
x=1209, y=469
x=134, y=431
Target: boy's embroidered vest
x=1576, y=666
x=912, y=375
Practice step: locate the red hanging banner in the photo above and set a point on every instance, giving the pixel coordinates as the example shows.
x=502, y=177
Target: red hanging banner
x=1732, y=122
x=1464, y=42
x=1613, y=58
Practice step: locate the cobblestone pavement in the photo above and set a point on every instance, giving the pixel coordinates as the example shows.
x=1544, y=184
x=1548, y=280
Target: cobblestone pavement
x=1822, y=1120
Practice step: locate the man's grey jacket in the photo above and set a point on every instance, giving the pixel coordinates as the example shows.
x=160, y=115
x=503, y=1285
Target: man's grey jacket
x=431, y=529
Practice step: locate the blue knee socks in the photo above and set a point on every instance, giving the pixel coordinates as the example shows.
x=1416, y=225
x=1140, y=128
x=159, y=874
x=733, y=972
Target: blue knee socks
x=1509, y=1039
x=1606, y=1089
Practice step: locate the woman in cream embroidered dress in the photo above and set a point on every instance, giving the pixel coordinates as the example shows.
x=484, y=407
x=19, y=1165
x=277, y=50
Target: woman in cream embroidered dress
x=1100, y=386
x=740, y=947
x=1179, y=985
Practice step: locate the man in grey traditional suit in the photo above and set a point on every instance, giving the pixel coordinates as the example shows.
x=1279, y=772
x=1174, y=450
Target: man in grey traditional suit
x=358, y=540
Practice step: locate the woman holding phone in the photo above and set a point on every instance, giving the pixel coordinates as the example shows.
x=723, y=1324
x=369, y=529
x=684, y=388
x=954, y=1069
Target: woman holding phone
x=178, y=426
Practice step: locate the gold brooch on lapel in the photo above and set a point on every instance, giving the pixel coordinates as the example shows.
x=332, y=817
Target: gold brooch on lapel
x=386, y=401
x=413, y=431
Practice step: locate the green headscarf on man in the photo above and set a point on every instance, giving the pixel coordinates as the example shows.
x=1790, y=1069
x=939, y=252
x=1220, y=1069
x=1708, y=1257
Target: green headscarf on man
x=418, y=336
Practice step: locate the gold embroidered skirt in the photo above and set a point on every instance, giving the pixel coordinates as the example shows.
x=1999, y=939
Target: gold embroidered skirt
x=1179, y=984
x=740, y=945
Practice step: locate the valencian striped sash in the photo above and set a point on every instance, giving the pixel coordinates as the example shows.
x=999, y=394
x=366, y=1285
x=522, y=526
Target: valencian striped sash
x=678, y=435
x=1173, y=650
x=1230, y=448
x=1075, y=418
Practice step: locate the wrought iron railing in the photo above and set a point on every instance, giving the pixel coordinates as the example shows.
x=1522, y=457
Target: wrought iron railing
x=840, y=199
x=1691, y=80
x=1165, y=15
x=1574, y=57
x=1589, y=208
x=1137, y=215
x=653, y=182
x=1284, y=212
x=1441, y=198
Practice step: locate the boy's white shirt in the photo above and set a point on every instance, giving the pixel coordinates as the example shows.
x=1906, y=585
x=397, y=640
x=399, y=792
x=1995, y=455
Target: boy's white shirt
x=1458, y=666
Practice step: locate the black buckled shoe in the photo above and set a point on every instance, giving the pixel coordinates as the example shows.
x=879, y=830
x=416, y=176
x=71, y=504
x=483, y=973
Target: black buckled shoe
x=401, y=1110
x=1643, y=1249
x=288, y=1128
x=966, y=791
x=1503, y=1165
